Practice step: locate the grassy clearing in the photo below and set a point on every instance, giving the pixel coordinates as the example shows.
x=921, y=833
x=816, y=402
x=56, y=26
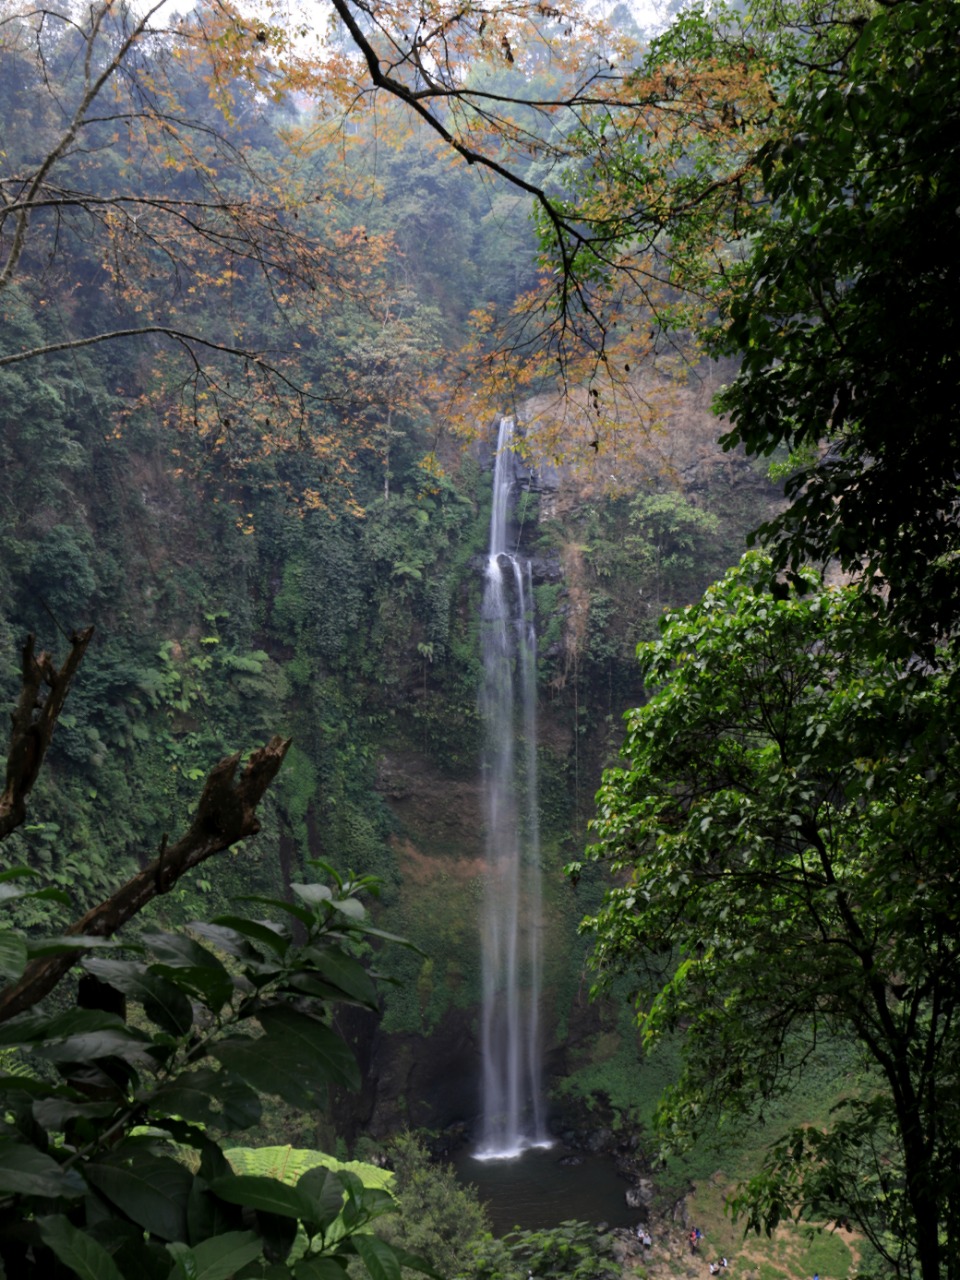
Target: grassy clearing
x=794, y=1252
x=724, y=1156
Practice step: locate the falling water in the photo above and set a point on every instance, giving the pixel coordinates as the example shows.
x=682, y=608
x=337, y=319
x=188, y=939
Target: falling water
x=512, y=1106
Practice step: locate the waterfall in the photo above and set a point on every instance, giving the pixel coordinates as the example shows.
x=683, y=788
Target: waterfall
x=512, y=1103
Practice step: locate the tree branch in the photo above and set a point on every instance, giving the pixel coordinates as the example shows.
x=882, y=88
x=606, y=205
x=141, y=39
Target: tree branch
x=33, y=723
x=166, y=330
x=226, y=814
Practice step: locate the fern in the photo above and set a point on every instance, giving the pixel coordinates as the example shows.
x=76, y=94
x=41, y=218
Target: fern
x=289, y=1164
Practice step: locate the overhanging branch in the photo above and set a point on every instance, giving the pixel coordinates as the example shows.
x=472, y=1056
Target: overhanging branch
x=225, y=815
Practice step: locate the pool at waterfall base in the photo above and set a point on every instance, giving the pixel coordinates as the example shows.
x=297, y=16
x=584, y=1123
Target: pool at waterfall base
x=542, y=1187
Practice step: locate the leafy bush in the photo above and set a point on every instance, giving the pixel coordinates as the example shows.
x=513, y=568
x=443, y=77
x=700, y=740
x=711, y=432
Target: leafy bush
x=439, y=1218
x=109, y=1164
x=573, y=1251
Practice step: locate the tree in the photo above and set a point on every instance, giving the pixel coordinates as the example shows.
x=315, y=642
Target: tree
x=668, y=541
x=792, y=184
x=109, y=1162
x=783, y=843
x=149, y=142
x=147, y=204
x=844, y=315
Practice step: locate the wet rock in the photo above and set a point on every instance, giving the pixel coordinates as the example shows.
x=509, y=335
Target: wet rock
x=641, y=1195
x=598, y=1140
x=546, y=568
x=621, y=1251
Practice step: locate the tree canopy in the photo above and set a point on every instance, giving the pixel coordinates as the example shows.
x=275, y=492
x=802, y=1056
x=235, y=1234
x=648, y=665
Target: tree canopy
x=782, y=839
x=844, y=315
x=792, y=186
x=777, y=181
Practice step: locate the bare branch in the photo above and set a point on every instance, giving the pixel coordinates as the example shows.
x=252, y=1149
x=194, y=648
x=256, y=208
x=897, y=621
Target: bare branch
x=34, y=720
x=93, y=86
x=225, y=815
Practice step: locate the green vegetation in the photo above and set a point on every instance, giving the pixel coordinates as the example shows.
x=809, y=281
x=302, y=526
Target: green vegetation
x=438, y=1219
x=832, y=312
x=573, y=1249
x=251, y=498
x=785, y=823
x=110, y=1164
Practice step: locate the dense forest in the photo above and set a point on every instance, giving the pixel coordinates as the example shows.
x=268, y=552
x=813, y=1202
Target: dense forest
x=265, y=292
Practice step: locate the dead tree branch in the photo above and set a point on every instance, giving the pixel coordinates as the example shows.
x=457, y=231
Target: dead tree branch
x=226, y=814
x=33, y=723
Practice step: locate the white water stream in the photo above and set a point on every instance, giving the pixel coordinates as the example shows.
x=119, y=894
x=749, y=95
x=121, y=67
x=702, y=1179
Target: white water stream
x=512, y=1086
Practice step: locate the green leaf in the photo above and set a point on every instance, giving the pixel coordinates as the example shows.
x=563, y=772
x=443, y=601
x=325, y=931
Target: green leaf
x=320, y=1269
x=163, y=1001
x=305, y=917
x=279, y=1233
x=318, y=1053
x=28, y=1172
x=26, y=1085
x=414, y=1262
x=191, y=1096
x=218, y=1258
x=208, y=1215
x=54, y=1113
x=228, y=940
x=152, y=1190
x=184, y=961
x=211, y=988
x=258, y=931
x=375, y=1202
x=39, y=947
x=371, y=931
x=315, y=894
x=18, y=873
x=265, y=1194
x=324, y=1190
x=379, y=1259
x=9, y=893
x=295, y=1059
x=122, y=1042
x=345, y=974
x=76, y=1250
x=33, y=1027
x=353, y=908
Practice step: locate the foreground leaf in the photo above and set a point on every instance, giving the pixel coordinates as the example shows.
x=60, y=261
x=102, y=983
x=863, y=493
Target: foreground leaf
x=216, y=1259
x=163, y=1001
x=379, y=1259
x=13, y=956
x=295, y=1060
x=193, y=1094
x=265, y=1194
x=76, y=1250
x=28, y=1172
x=152, y=1190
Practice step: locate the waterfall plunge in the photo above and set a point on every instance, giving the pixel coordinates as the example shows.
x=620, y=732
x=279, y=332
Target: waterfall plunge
x=512, y=1104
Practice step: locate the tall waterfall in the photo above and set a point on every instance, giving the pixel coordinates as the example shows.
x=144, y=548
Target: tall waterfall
x=512, y=1104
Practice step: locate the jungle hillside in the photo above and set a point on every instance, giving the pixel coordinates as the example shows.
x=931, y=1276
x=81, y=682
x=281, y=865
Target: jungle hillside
x=271, y=281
